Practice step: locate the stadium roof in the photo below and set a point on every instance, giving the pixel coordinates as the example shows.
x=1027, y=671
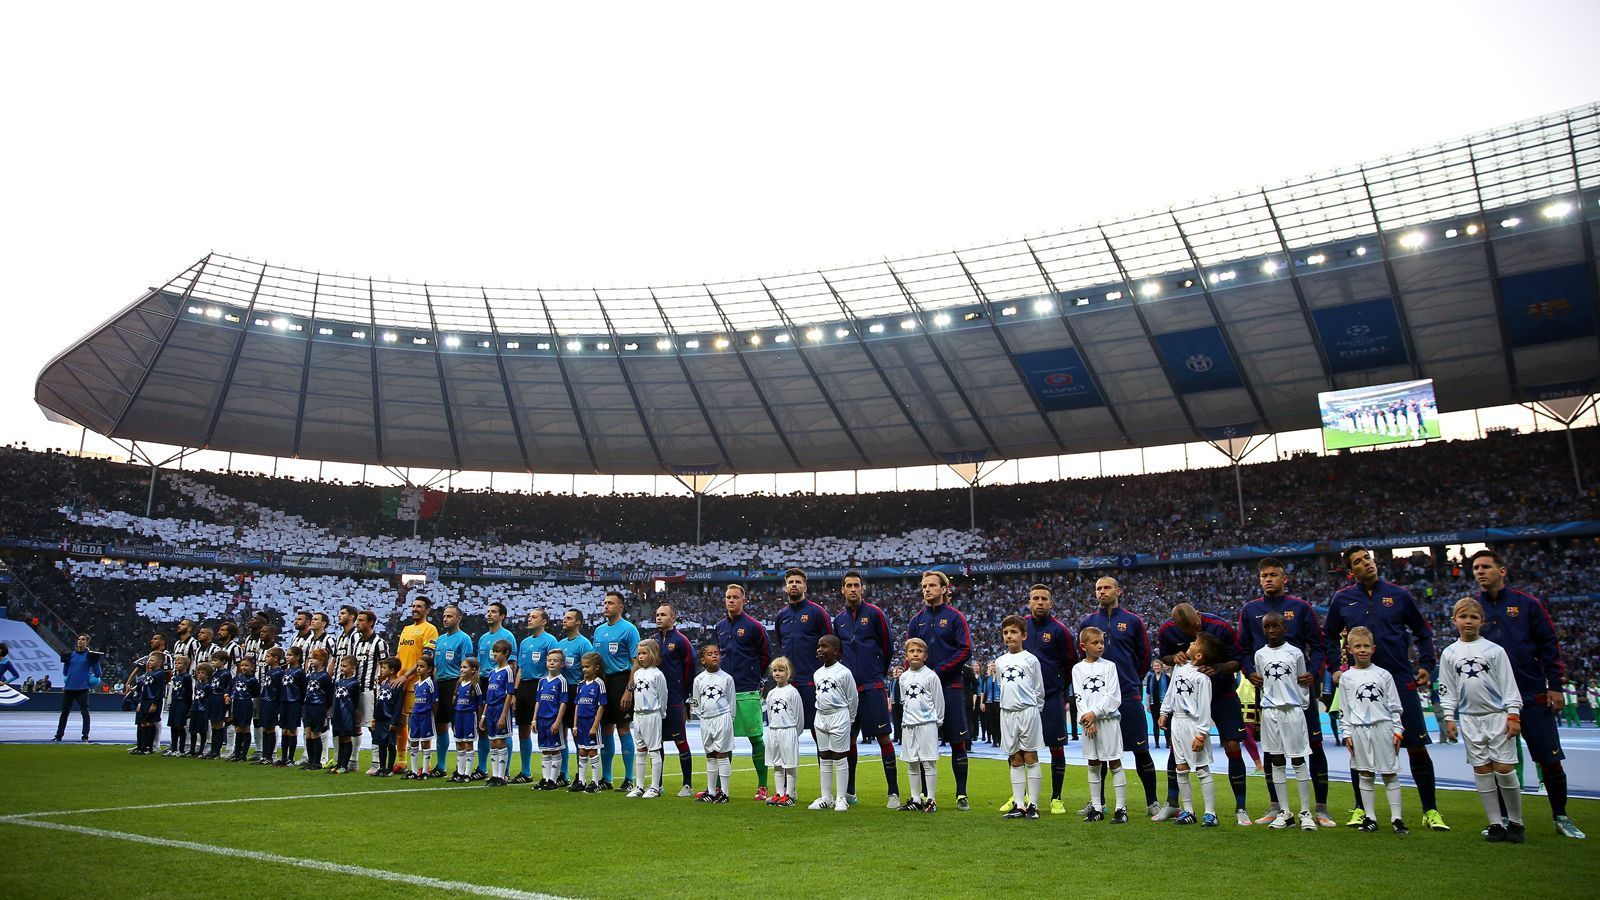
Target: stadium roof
x=1471, y=262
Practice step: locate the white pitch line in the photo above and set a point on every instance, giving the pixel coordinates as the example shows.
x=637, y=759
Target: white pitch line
x=181, y=803
x=314, y=864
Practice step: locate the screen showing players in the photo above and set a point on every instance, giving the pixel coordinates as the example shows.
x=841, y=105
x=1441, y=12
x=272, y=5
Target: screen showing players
x=1381, y=414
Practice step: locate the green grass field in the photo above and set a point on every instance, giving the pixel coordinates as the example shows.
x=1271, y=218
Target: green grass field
x=1340, y=440
x=393, y=831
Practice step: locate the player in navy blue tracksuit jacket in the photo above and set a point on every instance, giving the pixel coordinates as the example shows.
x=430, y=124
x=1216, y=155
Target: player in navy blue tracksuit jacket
x=1303, y=631
x=944, y=629
x=1521, y=625
x=1396, y=622
x=677, y=666
x=1051, y=643
x=1128, y=648
x=1172, y=645
x=863, y=630
x=796, y=628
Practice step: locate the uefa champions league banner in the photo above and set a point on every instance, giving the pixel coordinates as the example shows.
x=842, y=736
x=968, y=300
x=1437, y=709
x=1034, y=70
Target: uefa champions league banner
x=1364, y=335
x=30, y=653
x=1198, y=360
x=1548, y=305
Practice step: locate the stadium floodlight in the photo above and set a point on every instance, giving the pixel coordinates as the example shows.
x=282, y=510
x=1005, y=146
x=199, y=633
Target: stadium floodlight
x=1510, y=223
x=1556, y=210
x=755, y=340
x=1150, y=289
x=485, y=344
x=390, y=337
x=1009, y=311
x=452, y=341
x=814, y=335
x=1472, y=230
x=325, y=332
x=603, y=345
x=513, y=345
x=941, y=319
x=1187, y=282
x=359, y=335
x=542, y=345
x=1043, y=306
x=782, y=338
x=630, y=346
x=692, y=345
x=1114, y=295
x=263, y=323
x=230, y=317
x=195, y=311
x=293, y=326
x=1450, y=232
x=1082, y=301
x=574, y=346
x=663, y=344
x=842, y=333
x=419, y=341
x=213, y=313
x=1411, y=240
x=1269, y=267
x=907, y=324
x=279, y=324
x=1316, y=259
x=720, y=343
x=876, y=328
x=1362, y=250
x=1229, y=275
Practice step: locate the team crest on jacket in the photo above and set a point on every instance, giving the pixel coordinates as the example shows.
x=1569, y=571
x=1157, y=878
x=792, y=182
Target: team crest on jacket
x=1045, y=637
x=1122, y=626
x=1288, y=615
x=1388, y=601
x=1513, y=611
x=863, y=620
x=741, y=632
x=805, y=617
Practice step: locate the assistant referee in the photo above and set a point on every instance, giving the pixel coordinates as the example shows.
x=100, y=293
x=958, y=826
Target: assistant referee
x=617, y=640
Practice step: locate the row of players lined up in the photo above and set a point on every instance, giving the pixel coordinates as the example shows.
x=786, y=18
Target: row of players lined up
x=1515, y=620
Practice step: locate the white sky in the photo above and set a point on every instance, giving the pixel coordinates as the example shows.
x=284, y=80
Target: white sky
x=651, y=144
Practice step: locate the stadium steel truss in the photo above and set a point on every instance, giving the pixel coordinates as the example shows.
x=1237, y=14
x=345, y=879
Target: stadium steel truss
x=1471, y=262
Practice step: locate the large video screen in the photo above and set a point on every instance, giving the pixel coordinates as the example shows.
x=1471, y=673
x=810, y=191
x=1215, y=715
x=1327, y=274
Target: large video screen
x=1381, y=414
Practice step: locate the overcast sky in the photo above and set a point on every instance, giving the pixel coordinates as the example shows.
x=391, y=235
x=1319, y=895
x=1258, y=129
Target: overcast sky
x=664, y=143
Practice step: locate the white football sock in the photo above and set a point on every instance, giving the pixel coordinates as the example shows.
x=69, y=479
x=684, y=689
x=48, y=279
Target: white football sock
x=1019, y=780
x=1119, y=780
x=1185, y=793
x=1391, y=786
x=725, y=768
x=1096, y=788
x=1367, y=798
x=1208, y=791
x=1035, y=775
x=1302, y=783
x=1280, y=784
x=1489, y=795
x=930, y=771
x=1510, y=795
x=825, y=766
x=711, y=775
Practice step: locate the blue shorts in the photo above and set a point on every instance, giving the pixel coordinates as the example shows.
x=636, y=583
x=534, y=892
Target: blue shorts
x=178, y=715
x=382, y=732
x=1228, y=714
x=1539, y=732
x=315, y=716
x=289, y=713
x=269, y=712
x=465, y=724
x=491, y=725
x=872, y=715
x=808, y=701
x=1053, y=719
x=197, y=717
x=672, y=724
x=954, y=729
x=1416, y=727
x=1313, y=723
x=586, y=738
x=421, y=726
x=548, y=741
x=1135, y=733
x=143, y=716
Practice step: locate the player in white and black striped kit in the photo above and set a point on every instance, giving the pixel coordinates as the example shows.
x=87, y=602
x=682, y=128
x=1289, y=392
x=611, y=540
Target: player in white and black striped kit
x=302, y=634
x=188, y=646
x=266, y=639
x=369, y=650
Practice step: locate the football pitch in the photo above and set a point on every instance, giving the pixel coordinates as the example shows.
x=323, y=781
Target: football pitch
x=77, y=820
x=1334, y=439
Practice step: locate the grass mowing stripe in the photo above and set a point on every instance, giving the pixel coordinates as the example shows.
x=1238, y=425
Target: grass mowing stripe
x=316, y=864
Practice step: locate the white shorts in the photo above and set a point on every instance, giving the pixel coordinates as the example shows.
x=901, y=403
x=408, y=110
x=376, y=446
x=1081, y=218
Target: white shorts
x=1283, y=732
x=364, y=712
x=920, y=743
x=647, y=730
x=1106, y=745
x=1486, y=739
x=783, y=747
x=1183, y=731
x=1374, y=749
x=833, y=731
x=1021, y=731
x=716, y=734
